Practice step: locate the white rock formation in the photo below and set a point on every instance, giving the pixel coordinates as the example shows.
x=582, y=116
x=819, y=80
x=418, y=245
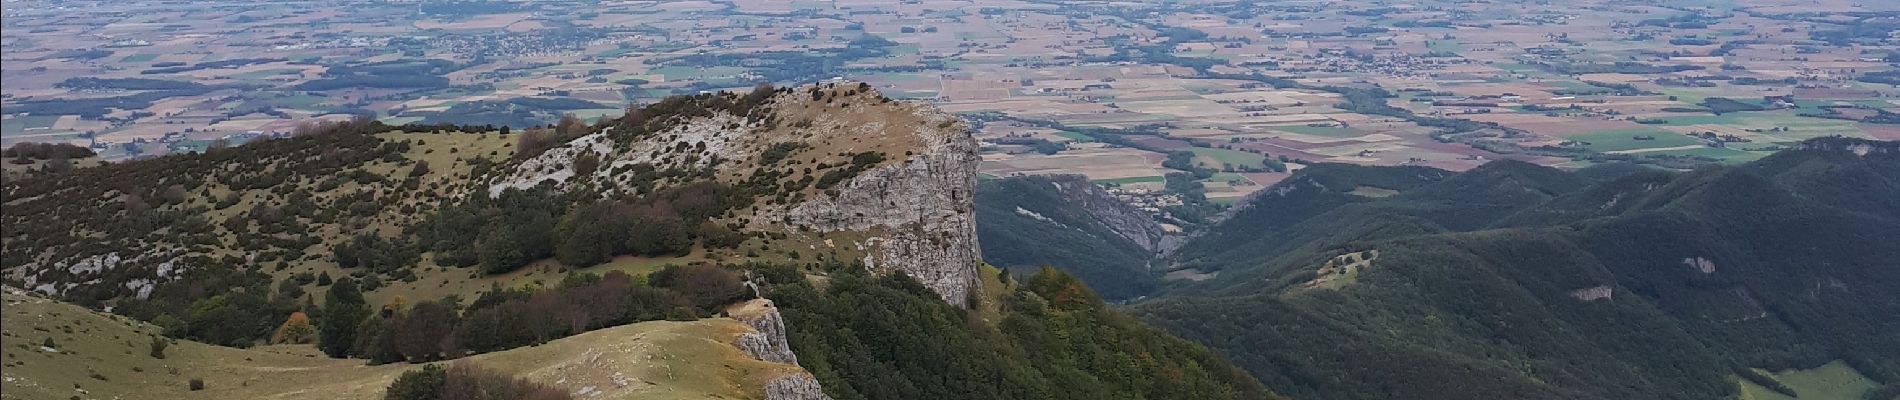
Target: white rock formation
x=1593, y=293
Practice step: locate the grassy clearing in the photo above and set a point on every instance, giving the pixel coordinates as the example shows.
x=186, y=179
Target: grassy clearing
x=141, y=57
x=1076, y=136
x=1446, y=46
x=994, y=288
x=1727, y=155
x=1834, y=380
x=1625, y=139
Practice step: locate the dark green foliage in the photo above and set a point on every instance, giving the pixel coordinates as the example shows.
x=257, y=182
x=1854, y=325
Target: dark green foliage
x=420, y=384
x=1476, y=289
x=1722, y=105
x=591, y=234
x=45, y=151
x=1766, y=381
x=343, y=310
x=778, y=152
x=502, y=319
x=218, y=302
x=158, y=347
x=502, y=234
x=890, y=338
x=517, y=237
x=859, y=163
x=375, y=253
x=90, y=83
x=1890, y=391
x=465, y=381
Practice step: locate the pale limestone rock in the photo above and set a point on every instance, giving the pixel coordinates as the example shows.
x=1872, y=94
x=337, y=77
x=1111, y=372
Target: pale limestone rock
x=1593, y=293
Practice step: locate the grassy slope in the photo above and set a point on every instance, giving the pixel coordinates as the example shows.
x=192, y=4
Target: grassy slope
x=649, y=360
x=1835, y=380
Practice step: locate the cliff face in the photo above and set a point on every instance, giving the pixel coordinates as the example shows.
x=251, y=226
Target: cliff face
x=918, y=214
x=1124, y=220
x=888, y=183
x=767, y=343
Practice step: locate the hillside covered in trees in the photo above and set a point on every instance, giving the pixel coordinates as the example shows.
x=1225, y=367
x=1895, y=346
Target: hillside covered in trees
x=1518, y=281
x=1029, y=222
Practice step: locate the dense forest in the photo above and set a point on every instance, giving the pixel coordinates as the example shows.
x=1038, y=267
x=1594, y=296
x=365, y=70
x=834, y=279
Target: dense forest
x=1519, y=281
x=1048, y=337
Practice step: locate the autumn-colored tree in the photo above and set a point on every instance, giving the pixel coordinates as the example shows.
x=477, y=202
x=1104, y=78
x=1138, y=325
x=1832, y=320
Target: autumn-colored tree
x=296, y=329
x=570, y=126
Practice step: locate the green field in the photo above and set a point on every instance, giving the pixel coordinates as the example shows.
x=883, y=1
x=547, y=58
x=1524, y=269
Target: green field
x=1447, y=46
x=1624, y=139
x=1734, y=118
x=141, y=57
x=21, y=124
x=1834, y=381
x=1076, y=136
x=1727, y=155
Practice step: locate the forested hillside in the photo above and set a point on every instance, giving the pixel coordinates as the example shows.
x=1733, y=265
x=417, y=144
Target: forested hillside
x=1029, y=222
x=1518, y=281
x=1046, y=337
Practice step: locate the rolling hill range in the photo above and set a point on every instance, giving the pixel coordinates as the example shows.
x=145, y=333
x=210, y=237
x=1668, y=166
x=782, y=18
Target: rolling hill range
x=785, y=244
x=1518, y=281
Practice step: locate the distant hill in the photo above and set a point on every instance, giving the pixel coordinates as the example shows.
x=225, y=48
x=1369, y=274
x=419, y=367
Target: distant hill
x=1069, y=223
x=1518, y=281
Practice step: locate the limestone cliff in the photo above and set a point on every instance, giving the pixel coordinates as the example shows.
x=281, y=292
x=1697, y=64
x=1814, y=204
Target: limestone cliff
x=767, y=342
x=918, y=214
x=1120, y=218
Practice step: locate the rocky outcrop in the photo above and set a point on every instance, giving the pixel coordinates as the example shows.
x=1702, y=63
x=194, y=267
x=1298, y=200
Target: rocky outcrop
x=795, y=387
x=1593, y=293
x=1120, y=218
x=767, y=341
x=919, y=213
